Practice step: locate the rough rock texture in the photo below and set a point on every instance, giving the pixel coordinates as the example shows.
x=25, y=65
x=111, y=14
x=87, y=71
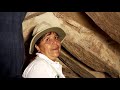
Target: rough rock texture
x=108, y=22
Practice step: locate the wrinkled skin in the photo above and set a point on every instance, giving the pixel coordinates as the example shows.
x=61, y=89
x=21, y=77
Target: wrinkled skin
x=49, y=45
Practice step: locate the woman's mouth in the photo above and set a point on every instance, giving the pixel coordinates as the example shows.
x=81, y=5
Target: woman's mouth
x=56, y=48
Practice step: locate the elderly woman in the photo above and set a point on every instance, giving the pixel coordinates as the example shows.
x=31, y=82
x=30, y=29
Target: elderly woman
x=47, y=42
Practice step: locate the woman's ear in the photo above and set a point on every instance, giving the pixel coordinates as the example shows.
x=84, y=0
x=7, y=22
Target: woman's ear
x=38, y=49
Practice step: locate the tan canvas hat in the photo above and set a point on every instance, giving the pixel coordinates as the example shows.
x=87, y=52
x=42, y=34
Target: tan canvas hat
x=42, y=29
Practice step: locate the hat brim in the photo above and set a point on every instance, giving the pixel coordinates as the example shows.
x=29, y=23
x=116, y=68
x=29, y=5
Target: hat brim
x=58, y=30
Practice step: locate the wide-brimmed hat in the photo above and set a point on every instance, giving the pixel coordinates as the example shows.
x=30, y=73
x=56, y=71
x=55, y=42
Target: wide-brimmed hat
x=42, y=29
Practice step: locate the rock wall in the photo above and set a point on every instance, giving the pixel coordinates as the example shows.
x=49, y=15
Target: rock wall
x=89, y=49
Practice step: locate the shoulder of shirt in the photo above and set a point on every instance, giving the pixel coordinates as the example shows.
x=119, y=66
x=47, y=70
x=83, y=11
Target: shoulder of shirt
x=37, y=62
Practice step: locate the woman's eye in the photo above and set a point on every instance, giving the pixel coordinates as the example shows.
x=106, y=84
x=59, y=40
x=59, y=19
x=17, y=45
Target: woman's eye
x=47, y=39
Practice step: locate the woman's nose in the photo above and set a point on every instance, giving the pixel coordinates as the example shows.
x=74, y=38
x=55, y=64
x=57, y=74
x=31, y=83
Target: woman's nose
x=55, y=41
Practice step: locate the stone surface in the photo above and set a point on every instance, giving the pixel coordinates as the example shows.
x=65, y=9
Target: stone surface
x=109, y=22
x=85, y=41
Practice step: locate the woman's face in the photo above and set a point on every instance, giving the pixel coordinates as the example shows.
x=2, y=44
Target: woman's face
x=50, y=45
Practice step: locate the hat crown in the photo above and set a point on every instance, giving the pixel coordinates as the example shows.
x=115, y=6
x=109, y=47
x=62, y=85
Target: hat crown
x=45, y=21
x=40, y=27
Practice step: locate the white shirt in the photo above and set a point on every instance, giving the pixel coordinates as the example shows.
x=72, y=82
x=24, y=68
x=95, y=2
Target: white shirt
x=43, y=67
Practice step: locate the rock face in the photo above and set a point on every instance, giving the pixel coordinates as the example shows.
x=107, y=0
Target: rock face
x=90, y=49
x=108, y=22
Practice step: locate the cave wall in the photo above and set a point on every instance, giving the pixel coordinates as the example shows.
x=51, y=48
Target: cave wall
x=91, y=48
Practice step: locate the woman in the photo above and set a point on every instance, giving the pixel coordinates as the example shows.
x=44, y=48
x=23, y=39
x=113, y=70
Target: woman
x=47, y=43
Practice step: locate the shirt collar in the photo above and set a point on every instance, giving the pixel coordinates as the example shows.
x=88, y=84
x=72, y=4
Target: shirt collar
x=46, y=58
x=55, y=64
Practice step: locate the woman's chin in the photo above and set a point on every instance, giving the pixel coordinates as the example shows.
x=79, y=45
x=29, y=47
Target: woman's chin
x=56, y=55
